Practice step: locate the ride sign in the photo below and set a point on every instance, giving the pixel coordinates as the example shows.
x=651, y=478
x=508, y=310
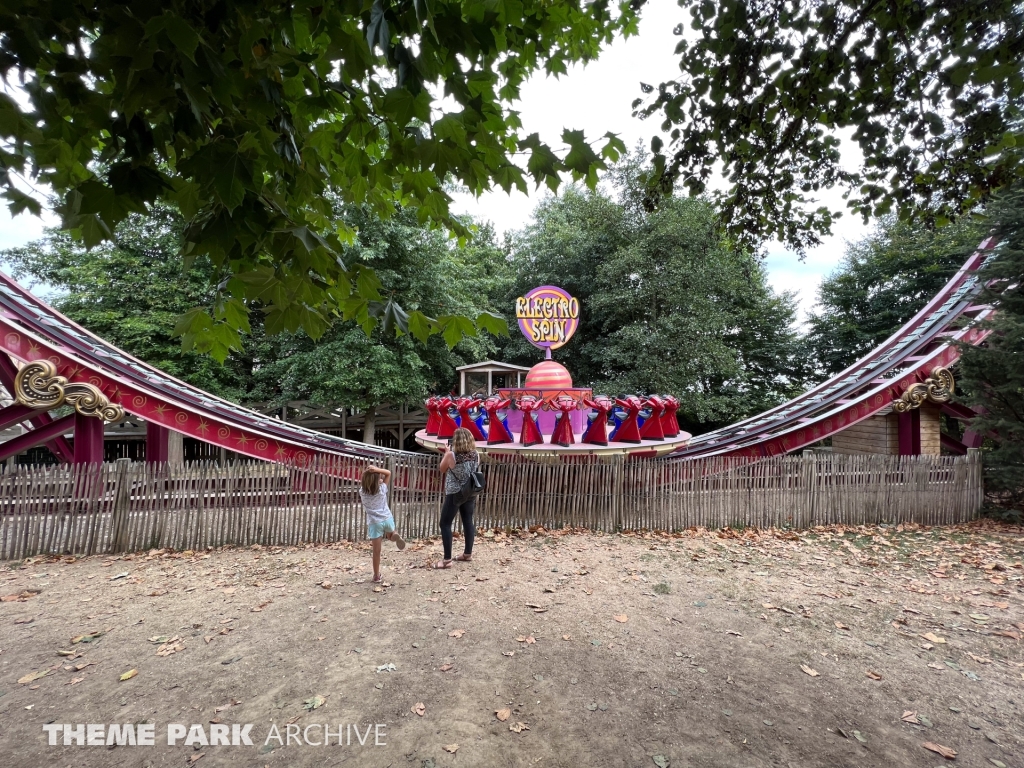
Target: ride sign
x=548, y=317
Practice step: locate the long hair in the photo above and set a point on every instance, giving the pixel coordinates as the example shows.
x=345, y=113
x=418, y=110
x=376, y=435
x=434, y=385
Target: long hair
x=371, y=481
x=462, y=441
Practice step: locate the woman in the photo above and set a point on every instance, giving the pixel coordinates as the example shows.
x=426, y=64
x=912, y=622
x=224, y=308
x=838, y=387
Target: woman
x=458, y=462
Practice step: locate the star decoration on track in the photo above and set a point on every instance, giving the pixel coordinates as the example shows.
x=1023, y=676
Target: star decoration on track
x=160, y=409
x=203, y=426
x=244, y=440
x=281, y=451
x=32, y=347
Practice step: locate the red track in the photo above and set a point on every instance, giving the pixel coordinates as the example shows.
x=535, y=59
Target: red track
x=868, y=386
x=31, y=330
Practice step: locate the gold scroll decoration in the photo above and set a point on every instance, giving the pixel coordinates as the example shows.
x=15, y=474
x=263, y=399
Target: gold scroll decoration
x=37, y=385
x=937, y=388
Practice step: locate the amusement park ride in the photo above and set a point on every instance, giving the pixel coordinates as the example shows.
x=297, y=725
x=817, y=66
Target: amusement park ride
x=49, y=364
x=548, y=415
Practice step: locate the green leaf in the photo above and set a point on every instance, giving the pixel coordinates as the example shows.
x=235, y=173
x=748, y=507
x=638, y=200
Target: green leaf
x=492, y=323
x=92, y=229
x=395, y=319
x=231, y=180
x=187, y=197
x=185, y=39
x=234, y=313
x=455, y=328
x=21, y=202
x=367, y=283
x=421, y=326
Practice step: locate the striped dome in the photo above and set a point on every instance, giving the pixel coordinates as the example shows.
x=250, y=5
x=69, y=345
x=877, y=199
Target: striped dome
x=548, y=374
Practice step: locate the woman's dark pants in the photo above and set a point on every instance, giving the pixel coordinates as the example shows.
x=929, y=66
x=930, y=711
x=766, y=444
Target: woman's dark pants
x=465, y=509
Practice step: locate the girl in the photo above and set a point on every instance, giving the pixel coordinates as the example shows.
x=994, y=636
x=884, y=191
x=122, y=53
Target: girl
x=458, y=463
x=379, y=522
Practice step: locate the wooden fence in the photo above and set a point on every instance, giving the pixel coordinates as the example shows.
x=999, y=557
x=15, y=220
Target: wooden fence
x=128, y=506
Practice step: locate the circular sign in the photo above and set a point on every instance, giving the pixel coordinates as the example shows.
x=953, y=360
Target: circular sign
x=548, y=316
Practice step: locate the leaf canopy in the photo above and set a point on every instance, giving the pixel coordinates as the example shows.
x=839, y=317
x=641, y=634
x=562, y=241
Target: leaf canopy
x=245, y=114
x=930, y=91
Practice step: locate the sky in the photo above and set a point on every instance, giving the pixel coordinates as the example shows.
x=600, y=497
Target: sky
x=597, y=99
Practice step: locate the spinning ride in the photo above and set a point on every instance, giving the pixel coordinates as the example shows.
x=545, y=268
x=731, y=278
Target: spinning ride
x=547, y=414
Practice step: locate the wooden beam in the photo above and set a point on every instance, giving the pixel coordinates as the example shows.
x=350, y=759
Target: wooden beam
x=953, y=445
x=37, y=436
x=15, y=414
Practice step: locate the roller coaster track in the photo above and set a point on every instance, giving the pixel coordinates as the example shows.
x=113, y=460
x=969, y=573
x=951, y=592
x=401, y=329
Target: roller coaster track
x=870, y=385
x=30, y=330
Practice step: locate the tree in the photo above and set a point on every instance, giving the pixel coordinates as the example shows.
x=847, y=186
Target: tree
x=131, y=289
x=684, y=313
x=992, y=374
x=352, y=366
x=667, y=304
x=245, y=114
x=930, y=90
x=882, y=282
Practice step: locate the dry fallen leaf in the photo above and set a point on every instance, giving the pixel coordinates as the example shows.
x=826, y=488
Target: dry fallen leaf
x=910, y=716
x=567, y=637
x=807, y=670
x=933, y=638
x=446, y=667
x=873, y=675
x=457, y=633
x=452, y=748
x=503, y=714
x=31, y=676
x=519, y=727
x=128, y=675
x=510, y=654
x=621, y=618
x=326, y=584
x=170, y=648
x=314, y=703
x=840, y=625
x=419, y=708
x=528, y=639
x=946, y=752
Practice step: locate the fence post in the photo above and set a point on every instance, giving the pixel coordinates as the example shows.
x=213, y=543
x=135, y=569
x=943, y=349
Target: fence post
x=975, y=479
x=122, y=501
x=809, y=471
x=618, y=493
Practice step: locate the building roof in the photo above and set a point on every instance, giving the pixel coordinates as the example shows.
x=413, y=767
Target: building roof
x=492, y=365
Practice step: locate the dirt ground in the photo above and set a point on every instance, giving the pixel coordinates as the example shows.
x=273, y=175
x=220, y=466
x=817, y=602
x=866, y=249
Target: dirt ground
x=825, y=648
